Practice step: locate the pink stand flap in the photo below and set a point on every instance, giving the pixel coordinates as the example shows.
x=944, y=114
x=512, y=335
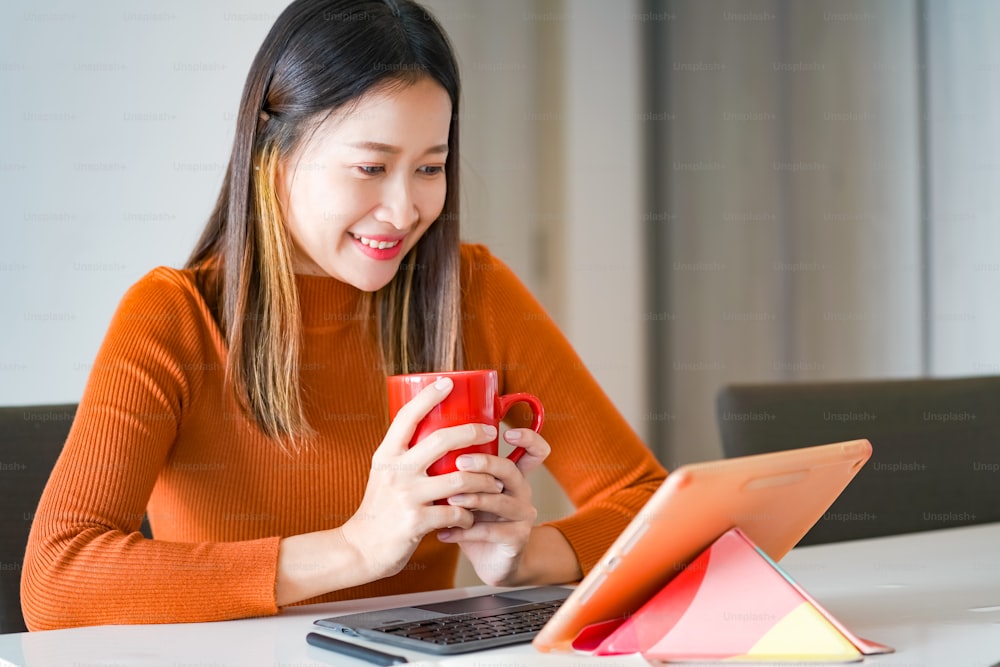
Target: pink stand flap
x=732, y=602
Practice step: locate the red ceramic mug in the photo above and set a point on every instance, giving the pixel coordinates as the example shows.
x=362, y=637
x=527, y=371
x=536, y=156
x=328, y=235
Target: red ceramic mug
x=475, y=399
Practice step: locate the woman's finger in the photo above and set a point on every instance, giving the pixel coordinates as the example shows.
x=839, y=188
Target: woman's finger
x=397, y=438
x=506, y=471
x=535, y=446
x=440, y=442
x=457, y=484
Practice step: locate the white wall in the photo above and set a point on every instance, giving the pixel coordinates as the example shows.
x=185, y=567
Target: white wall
x=962, y=112
x=117, y=120
x=602, y=231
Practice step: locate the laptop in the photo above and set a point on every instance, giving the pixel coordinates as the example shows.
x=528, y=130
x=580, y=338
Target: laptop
x=458, y=626
x=774, y=498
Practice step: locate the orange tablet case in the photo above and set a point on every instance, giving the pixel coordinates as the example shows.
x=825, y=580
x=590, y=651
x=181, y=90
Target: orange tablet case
x=772, y=498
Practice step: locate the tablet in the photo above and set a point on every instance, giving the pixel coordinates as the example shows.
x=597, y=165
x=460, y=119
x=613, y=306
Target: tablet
x=774, y=498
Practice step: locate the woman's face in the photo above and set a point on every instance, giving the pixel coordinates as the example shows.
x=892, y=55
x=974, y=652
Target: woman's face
x=368, y=183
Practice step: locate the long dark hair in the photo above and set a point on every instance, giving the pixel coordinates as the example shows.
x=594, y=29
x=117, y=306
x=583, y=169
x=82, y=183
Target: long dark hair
x=319, y=56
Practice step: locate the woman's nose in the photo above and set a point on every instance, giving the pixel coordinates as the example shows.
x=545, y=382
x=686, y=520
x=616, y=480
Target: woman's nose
x=398, y=207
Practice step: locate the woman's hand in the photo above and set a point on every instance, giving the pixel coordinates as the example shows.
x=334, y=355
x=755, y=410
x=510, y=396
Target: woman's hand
x=496, y=542
x=398, y=508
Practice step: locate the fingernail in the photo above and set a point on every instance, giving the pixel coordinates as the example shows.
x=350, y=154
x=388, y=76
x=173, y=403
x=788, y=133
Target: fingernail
x=444, y=534
x=443, y=384
x=512, y=436
x=499, y=485
x=490, y=430
x=465, y=462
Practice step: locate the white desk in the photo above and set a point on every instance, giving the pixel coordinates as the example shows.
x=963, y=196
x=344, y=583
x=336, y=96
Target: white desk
x=933, y=596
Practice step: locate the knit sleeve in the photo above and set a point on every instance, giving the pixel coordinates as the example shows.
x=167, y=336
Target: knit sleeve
x=600, y=462
x=86, y=561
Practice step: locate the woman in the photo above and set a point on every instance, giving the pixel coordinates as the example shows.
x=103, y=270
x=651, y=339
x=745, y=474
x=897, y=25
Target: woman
x=239, y=402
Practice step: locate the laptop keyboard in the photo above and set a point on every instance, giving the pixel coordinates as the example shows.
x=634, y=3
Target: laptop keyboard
x=464, y=628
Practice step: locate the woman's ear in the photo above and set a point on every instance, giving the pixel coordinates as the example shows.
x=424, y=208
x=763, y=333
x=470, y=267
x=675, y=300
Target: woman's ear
x=281, y=182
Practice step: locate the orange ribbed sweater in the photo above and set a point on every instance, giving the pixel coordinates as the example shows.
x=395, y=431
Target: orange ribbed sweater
x=158, y=432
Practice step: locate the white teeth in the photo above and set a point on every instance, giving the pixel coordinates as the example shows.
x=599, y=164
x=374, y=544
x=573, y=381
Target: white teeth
x=380, y=245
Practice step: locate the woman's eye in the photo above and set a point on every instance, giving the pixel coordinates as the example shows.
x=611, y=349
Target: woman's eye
x=431, y=170
x=371, y=169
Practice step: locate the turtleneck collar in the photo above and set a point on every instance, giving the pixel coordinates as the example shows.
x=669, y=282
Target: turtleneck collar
x=327, y=302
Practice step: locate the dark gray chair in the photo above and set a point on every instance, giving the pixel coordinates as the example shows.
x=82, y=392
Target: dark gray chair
x=30, y=441
x=936, y=447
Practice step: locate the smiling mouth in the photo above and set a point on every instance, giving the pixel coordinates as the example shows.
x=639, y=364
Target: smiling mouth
x=377, y=245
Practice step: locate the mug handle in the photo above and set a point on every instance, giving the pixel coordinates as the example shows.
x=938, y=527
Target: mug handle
x=507, y=401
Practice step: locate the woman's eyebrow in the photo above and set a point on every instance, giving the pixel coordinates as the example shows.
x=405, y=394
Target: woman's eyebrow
x=380, y=147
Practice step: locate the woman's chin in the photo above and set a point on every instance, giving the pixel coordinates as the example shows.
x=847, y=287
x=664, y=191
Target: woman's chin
x=370, y=283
